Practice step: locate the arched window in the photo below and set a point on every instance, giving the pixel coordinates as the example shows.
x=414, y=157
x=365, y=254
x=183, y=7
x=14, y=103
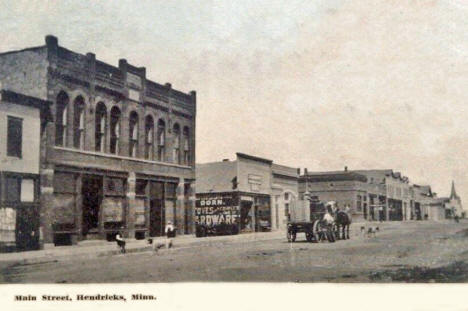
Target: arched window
x=78, y=122
x=161, y=139
x=114, y=130
x=100, y=125
x=149, y=129
x=176, y=146
x=61, y=119
x=186, y=135
x=133, y=134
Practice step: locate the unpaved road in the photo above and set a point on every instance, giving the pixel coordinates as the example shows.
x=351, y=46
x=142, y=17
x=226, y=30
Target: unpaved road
x=401, y=252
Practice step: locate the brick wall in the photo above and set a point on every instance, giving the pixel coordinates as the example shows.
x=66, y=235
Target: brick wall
x=25, y=72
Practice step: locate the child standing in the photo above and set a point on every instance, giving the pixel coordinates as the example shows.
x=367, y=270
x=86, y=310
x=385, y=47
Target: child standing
x=170, y=234
x=120, y=242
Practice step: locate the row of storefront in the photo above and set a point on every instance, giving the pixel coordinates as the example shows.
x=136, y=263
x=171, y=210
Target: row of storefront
x=379, y=195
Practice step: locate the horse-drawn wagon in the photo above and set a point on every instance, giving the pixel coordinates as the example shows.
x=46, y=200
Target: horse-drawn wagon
x=319, y=221
x=313, y=219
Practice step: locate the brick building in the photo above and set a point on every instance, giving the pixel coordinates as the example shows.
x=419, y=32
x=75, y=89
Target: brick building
x=264, y=192
x=346, y=188
x=120, y=151
x=368, y=193
x=22, y=119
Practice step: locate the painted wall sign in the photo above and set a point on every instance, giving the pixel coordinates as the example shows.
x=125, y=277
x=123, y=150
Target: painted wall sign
x=216, y=210
x=133, y=80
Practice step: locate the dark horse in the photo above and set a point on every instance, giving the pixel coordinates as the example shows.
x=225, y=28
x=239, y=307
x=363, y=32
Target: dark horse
x=343, y=222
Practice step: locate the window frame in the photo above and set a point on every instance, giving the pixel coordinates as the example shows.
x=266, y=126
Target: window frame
x=149, y=138
x=133, y=134
x=17, y=151
x=101, y=124
x=115, y=116
x=79, y=108
x=161, y=141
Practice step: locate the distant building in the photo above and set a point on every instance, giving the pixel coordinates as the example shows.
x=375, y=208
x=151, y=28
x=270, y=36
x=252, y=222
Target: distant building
x=262, y=191
x=427, y=205
x=346, y=188
x=372, y=194
x=22, y=121
x=120, y=152
x=453, y=206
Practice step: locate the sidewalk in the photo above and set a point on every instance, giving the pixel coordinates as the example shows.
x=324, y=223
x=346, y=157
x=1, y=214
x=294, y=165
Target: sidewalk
x=100, y=248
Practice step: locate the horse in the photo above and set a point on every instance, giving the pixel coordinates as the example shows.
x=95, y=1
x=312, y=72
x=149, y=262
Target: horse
x=342, y=221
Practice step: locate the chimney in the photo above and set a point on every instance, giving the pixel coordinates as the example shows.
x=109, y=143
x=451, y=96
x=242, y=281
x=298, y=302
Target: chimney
x=52, y=46
x=305, y=171
x=51, y=41
x=299, y=171
x=345, y=168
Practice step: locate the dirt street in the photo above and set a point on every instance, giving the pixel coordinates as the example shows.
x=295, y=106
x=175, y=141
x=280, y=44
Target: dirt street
x=400, y=252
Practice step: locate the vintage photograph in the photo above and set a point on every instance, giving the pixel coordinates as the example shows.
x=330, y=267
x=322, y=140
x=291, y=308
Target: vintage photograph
x=233, y=141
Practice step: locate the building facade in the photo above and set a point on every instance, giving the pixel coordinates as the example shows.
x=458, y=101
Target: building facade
x=346, y=188
x=373, y=194
x=263, y=192
x=426, y=205
x=120, y=152
x=22, y=119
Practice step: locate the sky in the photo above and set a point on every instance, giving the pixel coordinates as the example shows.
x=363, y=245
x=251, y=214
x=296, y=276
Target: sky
x=319, y=84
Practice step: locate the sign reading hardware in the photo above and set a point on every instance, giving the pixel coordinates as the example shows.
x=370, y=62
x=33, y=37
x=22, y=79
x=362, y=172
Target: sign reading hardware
x=216, y=210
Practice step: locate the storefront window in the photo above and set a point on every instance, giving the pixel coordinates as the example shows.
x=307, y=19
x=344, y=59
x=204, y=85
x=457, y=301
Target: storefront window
x=27, y=190
x=12, y=189
x=359, y=203
x=140, y=187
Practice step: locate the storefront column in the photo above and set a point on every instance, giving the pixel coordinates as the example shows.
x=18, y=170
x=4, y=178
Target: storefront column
x=78, y=210
x=411, y=207
x=191, y=205
x=131, y=203
x=46, y=234
x=274, y=204
x=387, y=209
x=253, y=213
x=180, y=204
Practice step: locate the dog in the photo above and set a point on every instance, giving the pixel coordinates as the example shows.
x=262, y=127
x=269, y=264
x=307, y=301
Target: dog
x=155, y=245
x=372, y=231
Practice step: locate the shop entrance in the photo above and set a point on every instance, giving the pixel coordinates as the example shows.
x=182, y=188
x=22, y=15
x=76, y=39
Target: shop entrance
x=157, y=210
x=246, y=220
x=417, y=211
x=91, y=191
x=27, y=228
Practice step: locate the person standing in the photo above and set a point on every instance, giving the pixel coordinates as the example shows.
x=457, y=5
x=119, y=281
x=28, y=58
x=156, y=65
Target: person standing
x=381, y=213
x=170, y=234
x=120, y=242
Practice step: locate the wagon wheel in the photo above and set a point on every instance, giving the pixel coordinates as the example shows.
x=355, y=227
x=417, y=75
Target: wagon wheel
x=291, y=235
